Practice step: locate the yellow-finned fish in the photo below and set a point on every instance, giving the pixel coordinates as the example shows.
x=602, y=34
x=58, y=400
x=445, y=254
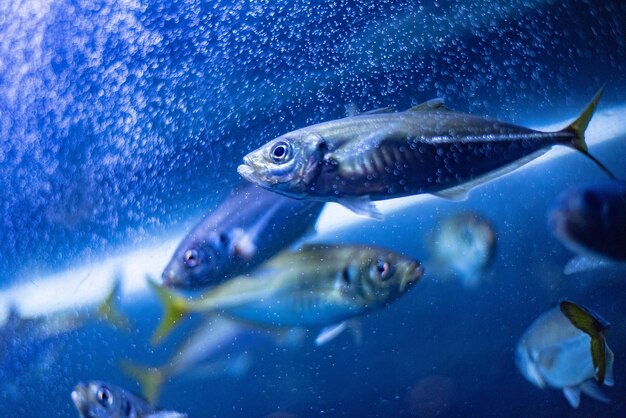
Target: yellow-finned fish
x=382, y=155
x=316, y=286
x=565, y=349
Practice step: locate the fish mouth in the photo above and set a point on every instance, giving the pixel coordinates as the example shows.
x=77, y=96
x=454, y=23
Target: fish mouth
x=246, y=171
x=79, y=397
x=170, y=278
x=414, y=273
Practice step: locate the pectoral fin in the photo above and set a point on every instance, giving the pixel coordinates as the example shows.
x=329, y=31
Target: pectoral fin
x=243, y=245
x=584, y=263
x=572, y=394
x=331, y=332
x=361, y=206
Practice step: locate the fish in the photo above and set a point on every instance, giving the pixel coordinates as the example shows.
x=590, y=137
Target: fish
x=246, y=229
x=565, y=348
x=315, y=286
x=463, y=246
x=218, y=346
x=98, y=399
x=30, y=346
x=590, y=220
x=381, y=155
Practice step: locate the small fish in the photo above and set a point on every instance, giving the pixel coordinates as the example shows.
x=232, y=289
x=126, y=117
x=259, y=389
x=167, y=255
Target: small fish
x=247, y=228
x=591, y=221
x=316, y=286
x=463, y=246
x=103, y=400
x=565, y=349
x=25, y=342
x=218, y=346
x=383, y=155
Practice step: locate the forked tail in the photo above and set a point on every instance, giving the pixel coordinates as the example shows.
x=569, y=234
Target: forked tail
x=175, y=309
x=578, y=128
x=150, y=379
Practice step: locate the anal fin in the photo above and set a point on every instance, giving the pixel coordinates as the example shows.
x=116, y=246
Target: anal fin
x=591, y=389
x=361, y=205
x=572, y=394
x=583, y=263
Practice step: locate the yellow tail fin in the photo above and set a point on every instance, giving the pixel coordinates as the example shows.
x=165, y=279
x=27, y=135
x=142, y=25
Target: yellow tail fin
x=175, y=309
x=108, y=311
x=594, y=326
x=579, y=126
x=150, y=379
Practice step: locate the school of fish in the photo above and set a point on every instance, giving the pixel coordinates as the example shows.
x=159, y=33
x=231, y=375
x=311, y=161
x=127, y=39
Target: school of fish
x=246, y=266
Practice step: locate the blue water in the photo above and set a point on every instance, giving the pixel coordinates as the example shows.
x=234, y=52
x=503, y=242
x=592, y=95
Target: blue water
x=121, y=121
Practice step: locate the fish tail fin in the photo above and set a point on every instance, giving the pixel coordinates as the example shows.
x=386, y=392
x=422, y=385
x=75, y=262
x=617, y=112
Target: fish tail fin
x=108, y=311
x=594, y=326
x=175, y=309
x=578, y=128
x=150, y=379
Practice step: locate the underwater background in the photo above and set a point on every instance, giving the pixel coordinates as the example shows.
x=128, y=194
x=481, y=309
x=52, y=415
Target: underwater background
x=123, y=122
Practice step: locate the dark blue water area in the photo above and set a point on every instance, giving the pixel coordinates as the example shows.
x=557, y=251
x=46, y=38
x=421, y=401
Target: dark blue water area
x=442, y=350
x=120, y=122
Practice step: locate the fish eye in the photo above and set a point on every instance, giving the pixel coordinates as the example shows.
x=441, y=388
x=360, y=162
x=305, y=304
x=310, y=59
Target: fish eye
x=592, y=200
x=104, y=396
x=191, y=258
x=280, y=152
x=382, y=269
x=345, y=275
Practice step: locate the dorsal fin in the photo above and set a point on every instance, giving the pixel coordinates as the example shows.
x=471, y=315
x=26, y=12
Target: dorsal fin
x=433, y=105
x=379, y=110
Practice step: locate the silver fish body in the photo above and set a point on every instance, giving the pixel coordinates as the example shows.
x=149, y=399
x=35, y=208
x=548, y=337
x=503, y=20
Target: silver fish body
x=315, y=286
x=554, y=353
x=103, y=400
x=247, y=228
x=427, y=149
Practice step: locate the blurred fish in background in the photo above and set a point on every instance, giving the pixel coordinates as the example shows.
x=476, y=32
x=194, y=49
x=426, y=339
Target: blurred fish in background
x=248, y=227
x=218, y=346
x=103, y=400
x=462, y=246
x=315, y=286
x=565, y=349
x=590, y=220
x=29, y=345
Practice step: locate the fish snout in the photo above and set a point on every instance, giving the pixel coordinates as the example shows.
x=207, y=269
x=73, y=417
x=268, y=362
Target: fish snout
x=79, y=396
x=170, y=278
x=414, y=273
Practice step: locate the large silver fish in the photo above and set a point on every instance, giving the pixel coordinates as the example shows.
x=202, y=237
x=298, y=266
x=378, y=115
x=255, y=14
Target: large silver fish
x=565, y=349
x=381, y=155
x=591, y=221
x=316, y=286
x=247, y=228
x=103, y=400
